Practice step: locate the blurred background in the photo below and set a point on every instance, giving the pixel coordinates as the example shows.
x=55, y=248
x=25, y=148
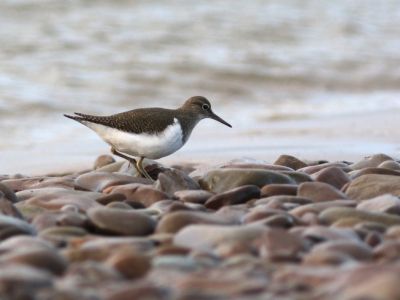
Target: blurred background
x=316, y=79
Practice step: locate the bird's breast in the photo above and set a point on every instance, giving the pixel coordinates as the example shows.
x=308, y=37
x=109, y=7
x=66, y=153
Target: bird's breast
x=151, y=146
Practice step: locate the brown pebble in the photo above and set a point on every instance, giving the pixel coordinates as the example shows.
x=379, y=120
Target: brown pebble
x=332, y=175
x=103, y=160
x=278, y=189
x=290, y=161
x=234, y=196
x=129, y=263
x=319, y=191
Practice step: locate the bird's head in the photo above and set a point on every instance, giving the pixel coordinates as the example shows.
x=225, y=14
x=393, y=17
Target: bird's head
x=202, y=108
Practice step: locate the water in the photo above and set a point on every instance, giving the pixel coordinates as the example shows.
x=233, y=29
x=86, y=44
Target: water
x=260, y=62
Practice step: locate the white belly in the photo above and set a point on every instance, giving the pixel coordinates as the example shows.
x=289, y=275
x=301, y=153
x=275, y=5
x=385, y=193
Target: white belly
x=145, y=145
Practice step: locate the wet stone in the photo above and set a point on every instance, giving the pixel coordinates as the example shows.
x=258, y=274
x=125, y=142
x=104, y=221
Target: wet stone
x=172, y=181
x=10, y=226
x=386, y=204
x=173, y=222
x=122, y=222
x=373, y=185
x=221, y=180
x=193, y=196
x=332, y=175
x=316, y=168
x=99, y=181
x=319, y=191
x=371, y=161
x=103, y=160
x=290, y=161
x=237, y=195
x=8, y=193
x=144, y=194
x=278, y=189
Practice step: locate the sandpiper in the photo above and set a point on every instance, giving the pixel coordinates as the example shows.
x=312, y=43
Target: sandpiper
x=149, y=132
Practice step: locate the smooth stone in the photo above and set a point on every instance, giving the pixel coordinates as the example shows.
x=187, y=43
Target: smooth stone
x=232, y=213
x=390, y=164
x=262, y=166
x=89, y=274
x=172, y=181
x=319, y=191
x=316, y=168
x=221, y=180
x=123, y=205
x=370, y=161
x=10, y=226
x=278, y=189
x=110, y=198
x=100, y=248
x=373, y=239
x=8, y=208
x=298, y=177
x=319, y=258
x=8, y=193
x=278, y=201
x=278, y=244
x=388, y=251
x=234, y=196
x=137, y=290
x=21, y=281
x=386, y=204
x=129, y=263
x=393, y=232
x=333, y=176
x=56, y=198
x=122, y=222
x=372, y=185
x=368, y=281
x=290, y=161
x=61, y=235
x=333, y=214
x=175, y=221
x=376, y=171
x=261, y=213
x=103, y=160
x=29, y=212
x=321, y=206
x=144, y=194
x=113, y=167
x=177, y=262
x=356, y=249
x=206, y=237
x=322, y=233
x=193, y=196
x=47, y=259
x=98, y=181
x=28, y=183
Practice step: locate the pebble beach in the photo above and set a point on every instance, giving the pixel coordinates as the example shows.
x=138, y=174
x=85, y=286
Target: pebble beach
x=243, y=229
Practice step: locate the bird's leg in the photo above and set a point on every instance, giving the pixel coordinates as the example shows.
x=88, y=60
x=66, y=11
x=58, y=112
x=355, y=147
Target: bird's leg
x=140, y=167
x=131, y=160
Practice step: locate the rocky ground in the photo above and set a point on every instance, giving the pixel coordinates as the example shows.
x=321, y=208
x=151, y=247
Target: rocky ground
x=241, y=230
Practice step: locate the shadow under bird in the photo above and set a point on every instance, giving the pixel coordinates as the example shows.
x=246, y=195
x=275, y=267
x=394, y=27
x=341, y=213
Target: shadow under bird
x=149, y=132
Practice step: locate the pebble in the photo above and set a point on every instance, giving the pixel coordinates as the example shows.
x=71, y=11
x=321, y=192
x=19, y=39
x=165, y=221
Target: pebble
x=122, y=222
x=175, y=180
x=373, y=185
x=316, y=168
x=356, y=249
x=175, y=221
x=222, y=180
x=10, y=226
x=334, y=214
x=278, y=189
x=278, y=244
x=332, y=175
x=290, y=161
x=319, y=191
x=206, y=237
x=8, y=208
x=8, y=193
x=234, y=196
x=390, y=164
x=371, y=161
x=193, y=196
x=102, y=161
x=129, y=263
x=140, y=193
x=386, y=203
x=99, y=181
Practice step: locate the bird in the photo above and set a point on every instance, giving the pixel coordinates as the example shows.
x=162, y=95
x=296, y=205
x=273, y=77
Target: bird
x=152, y=132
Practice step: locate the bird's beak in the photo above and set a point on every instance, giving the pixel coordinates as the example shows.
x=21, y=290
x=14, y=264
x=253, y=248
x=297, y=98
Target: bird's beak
x=216, y=118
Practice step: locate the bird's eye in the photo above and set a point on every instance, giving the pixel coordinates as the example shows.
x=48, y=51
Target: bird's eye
x=206, y=106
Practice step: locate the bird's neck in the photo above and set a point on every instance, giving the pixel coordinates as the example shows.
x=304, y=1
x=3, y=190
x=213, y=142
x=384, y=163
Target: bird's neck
x=188, y=121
